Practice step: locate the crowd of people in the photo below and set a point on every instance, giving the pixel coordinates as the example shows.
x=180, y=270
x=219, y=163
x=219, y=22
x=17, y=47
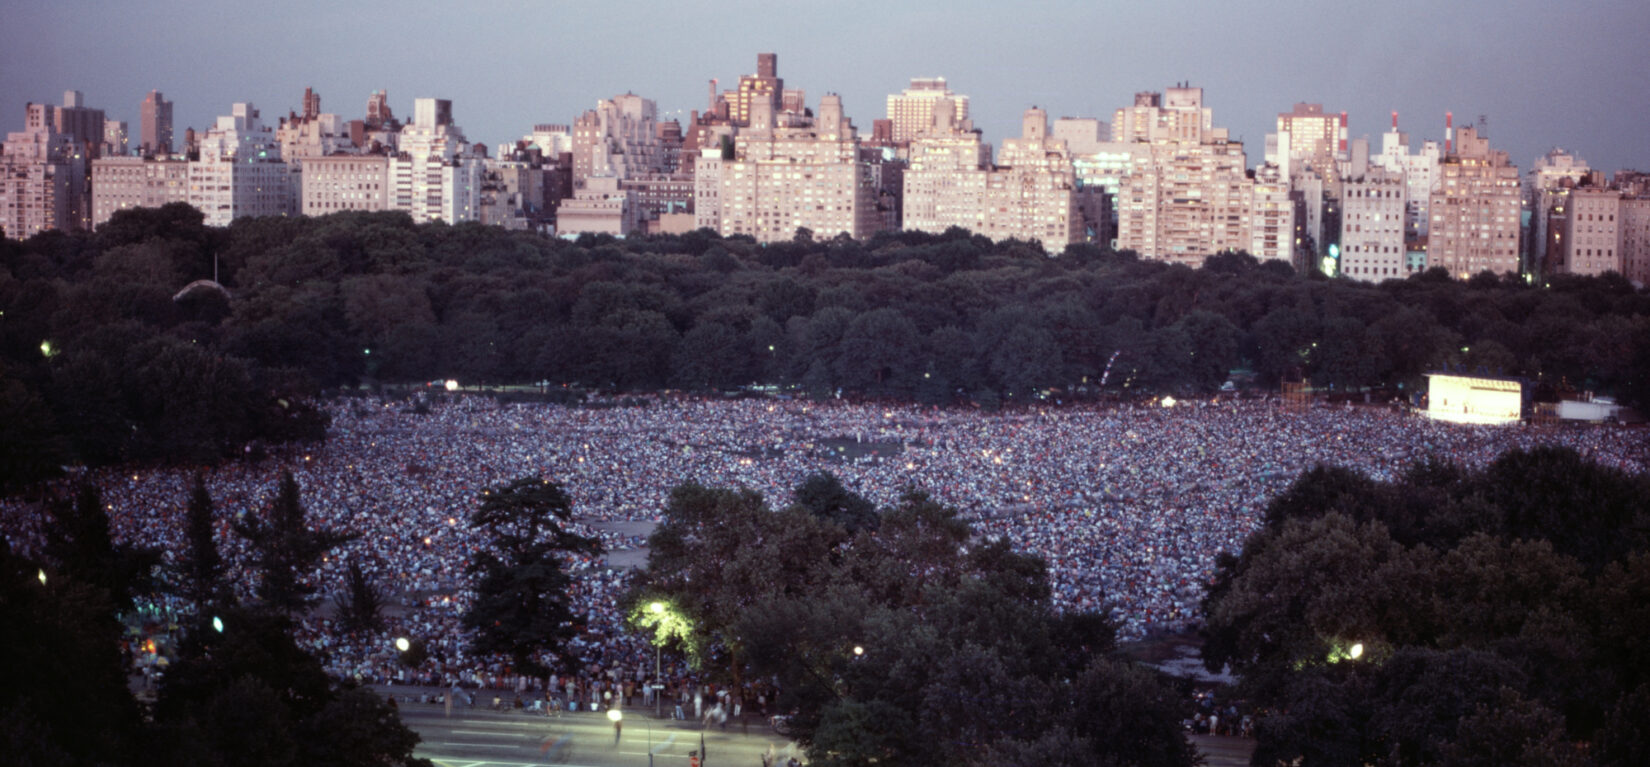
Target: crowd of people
x=1128, y=504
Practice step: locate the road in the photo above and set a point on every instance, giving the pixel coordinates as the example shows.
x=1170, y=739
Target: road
x=481, y=738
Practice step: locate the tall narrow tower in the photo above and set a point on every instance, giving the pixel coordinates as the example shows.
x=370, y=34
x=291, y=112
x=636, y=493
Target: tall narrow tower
x=156, y=128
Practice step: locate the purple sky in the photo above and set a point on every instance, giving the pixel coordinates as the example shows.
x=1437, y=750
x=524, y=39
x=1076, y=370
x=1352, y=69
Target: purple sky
x=1572, y=74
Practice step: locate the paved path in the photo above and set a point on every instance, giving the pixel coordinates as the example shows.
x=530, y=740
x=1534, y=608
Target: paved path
x=1223, y=751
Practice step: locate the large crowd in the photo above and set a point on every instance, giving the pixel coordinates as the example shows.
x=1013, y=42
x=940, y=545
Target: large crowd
x=1128, y=504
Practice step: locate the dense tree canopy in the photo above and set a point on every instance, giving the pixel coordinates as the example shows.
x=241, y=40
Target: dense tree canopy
x=137, y=369
x=522, y=606
x=1451, y=617
x=241, y=690
x=894, y=637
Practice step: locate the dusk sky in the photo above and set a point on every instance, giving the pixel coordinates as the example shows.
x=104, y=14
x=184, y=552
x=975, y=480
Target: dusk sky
x=1570, y=74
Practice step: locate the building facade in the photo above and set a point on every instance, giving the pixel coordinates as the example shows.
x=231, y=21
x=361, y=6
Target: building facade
x=1476, y=212
x=45, y=169
x=155, y=118
x=124, y=183
x=912, y=112
x=779, y=180
x=239, y=172
x=1592, y=242
x=1372, y=225
x=345, y=182
x=1031, y=194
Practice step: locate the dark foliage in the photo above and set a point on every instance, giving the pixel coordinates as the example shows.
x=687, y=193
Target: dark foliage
x=1498, y=614
x=902, y=642
x=320, y=302
x=285, y=547
x=521, y=606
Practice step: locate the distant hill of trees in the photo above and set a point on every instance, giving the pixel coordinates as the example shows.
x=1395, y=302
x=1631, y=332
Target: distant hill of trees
x=104, y=356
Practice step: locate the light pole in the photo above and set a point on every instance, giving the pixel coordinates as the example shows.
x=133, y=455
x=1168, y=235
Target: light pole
x=658, y=608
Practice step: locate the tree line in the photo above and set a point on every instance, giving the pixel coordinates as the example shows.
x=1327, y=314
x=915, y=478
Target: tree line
x=239, y=689
x=894, y=635
x=104, y=357
x=1452, y=616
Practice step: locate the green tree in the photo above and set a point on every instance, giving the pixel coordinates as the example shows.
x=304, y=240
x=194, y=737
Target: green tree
x=522, y=607
x=202, y=564
x=286, y=549
x=361, y=605
x=79, y=540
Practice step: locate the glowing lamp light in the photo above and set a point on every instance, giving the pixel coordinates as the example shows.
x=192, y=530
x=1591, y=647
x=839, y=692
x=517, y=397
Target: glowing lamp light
x=452, y=385
x=1357, y=651
x=656, y=608
x=402, y=644
x=859, y=650
x=42, y=576
x=614, y=715
x=1168, y=402
x=217, y=624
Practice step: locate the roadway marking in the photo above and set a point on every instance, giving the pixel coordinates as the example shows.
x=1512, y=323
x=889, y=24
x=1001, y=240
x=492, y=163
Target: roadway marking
x=667, y=741
x=481, y=745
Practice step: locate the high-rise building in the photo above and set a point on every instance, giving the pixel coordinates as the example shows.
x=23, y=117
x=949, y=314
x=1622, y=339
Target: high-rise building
x=45, y=169
x=155, y=116
x=912, y=112
x=1372, y=245
x=1593, y=231
x=772, y=181
x=1635, y=239
x=116, y=142
x=1153, y=119
x=345, y=182
x=1272, y=222
x=239, y=172
x=1187, y=194
x=379, y=115
x=1029, y=195
x=1546, y=188
x=435, y=175
x=1420, y=172
x=123, y=183
x=84, y=125
x=766, y=86
x=1316, y=139
x=1476, y=212
x=618, y=138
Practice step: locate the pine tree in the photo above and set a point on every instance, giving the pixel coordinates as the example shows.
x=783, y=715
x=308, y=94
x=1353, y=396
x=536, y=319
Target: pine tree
x=286, y=549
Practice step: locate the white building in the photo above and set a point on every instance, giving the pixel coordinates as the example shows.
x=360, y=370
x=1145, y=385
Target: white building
x=780, y=180
x=240, y=172
x=1030, y=195
x=43, y=177
x=435, y=176
x=1373, y=203
x=1593, y=232
x=619, y=138
x=912, y=112
x=1421, y=176
x=123, y=183
x=346, y=182
x=601, y=207
x=1272, y=216
x=1476, y=212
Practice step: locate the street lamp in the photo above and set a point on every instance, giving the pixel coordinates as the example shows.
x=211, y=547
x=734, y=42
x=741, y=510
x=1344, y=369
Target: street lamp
x=658, y=609
x=402, y=644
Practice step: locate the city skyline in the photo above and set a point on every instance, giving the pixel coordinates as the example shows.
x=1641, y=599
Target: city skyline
x=1073, y=59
